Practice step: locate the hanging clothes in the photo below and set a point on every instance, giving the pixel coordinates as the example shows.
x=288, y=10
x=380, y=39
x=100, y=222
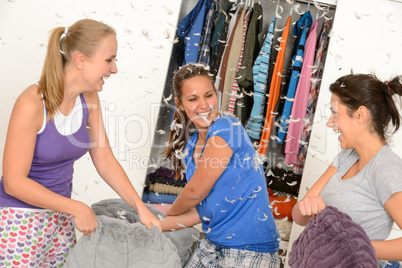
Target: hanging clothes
x=220, y=77
x=251, y=49
x=300, y=30
x=274, y=90
x=226, y=83
x=189, y=32
x=297, y=31
x=260, y=75
x=235, y=87
x=300, y=103
x=245, y=74
x=313, y=96
x=219, y=38
x=218, y=33
x=204, y=54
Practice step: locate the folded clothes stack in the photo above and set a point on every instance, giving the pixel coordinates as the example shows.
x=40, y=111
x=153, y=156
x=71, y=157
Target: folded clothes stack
x=161, y=188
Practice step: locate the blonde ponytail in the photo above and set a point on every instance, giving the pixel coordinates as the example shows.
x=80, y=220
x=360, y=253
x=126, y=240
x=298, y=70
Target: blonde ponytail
x=83, y=36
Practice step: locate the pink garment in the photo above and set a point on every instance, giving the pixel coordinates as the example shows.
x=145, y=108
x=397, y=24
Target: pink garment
x=300, y=102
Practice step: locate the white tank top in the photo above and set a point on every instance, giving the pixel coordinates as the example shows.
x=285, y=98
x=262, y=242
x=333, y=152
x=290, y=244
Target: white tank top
x=66, y=124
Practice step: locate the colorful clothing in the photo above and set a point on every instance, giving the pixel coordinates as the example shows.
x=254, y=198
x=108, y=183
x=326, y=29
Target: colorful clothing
x=300, y=30
x=274, y=89
x=35, y=239
x=313, y=97
x=260, y=76
x=245, y=73
x=235, y=87
x=226, y=83
x=300, y=102
x=239, y=197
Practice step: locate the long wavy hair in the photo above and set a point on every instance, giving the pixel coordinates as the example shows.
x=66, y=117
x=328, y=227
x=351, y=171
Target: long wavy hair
x=181, y=127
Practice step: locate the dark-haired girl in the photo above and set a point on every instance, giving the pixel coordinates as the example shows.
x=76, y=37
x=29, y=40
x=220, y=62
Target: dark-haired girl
x=365, y=178
x=226, y=186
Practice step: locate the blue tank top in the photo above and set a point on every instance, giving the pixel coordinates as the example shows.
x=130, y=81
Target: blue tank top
x=53, y=159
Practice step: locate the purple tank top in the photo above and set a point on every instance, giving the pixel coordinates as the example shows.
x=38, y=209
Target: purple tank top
x=53, y=160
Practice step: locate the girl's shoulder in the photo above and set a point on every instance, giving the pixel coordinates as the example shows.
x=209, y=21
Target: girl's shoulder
x=29, y=107
x=387, y=160
x=30, y=95
x=30, y=100
x=226, y=120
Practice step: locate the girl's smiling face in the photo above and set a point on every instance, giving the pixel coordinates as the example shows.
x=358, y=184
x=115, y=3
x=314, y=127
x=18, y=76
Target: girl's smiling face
x=102, y=64
x=199, y=101
x=342, y=123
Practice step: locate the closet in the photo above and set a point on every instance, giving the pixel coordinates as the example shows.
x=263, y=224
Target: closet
x=350, y=48
x=275, y=24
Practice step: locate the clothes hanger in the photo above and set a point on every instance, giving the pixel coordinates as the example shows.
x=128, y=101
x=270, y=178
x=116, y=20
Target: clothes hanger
x=291, y=9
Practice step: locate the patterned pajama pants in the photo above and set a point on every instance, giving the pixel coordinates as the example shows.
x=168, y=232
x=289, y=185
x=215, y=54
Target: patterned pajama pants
x=35, y=239
x=209, y=255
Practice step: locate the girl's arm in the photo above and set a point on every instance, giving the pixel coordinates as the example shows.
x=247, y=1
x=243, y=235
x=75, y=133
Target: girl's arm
x=312, y=202
x=109, y=168
x=187, y=219
x=25, y=121
x=391, y=250
x=210, y=167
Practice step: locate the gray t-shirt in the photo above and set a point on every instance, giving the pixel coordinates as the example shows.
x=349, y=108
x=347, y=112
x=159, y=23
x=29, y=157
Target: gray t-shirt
x=363, y=196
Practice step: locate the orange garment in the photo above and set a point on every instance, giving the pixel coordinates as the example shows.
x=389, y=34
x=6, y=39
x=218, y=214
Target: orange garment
x=275, y=89
x=281, y=206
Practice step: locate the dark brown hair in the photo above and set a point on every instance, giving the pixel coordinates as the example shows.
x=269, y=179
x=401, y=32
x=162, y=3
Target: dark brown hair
x=181, y=125
x=355, y=90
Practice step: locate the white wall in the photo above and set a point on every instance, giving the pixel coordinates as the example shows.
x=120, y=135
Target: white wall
x=145, y=33
x=366, y=37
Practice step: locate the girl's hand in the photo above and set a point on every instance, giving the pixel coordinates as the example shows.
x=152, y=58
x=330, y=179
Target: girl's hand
x=149, y=219
x=311, y=206
x=85, y=220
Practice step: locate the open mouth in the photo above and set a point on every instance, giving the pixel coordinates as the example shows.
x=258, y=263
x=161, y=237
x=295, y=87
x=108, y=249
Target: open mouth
x=103, y=78
x=205, y=116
